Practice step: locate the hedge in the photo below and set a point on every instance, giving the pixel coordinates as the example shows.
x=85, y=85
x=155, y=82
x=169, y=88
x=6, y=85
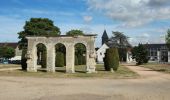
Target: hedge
x=59, y=59
x=111, y=59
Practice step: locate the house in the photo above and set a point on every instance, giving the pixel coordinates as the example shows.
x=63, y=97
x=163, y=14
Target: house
x=158, y=52
x=111, y=43
x=18, y=52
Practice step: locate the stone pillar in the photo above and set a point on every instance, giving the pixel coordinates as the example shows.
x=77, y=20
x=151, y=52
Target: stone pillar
x=50, y=58
x=158, y=56
x=70, y=52
x=168, y=56
x=31, y=57
x=91, y=58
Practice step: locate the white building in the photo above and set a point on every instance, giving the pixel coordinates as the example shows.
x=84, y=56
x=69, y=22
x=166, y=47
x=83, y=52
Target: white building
x=105, y=45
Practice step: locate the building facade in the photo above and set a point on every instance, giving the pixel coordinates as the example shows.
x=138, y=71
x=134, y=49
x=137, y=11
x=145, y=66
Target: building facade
x=113, y=43
x=158, y=52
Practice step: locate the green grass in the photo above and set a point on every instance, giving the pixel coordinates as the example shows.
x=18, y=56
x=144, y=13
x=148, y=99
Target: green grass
x=2, y=66
x=158, y=67
x=122, y=72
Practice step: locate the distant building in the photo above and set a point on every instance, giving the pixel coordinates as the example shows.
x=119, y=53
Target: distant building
x=18, y=52
x=106, y=43
x=158, y=52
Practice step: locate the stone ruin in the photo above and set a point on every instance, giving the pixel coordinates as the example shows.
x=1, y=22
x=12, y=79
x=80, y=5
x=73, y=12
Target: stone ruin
x=69, y=42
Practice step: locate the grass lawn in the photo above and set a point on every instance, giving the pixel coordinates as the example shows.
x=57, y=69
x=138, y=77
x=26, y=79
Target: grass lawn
x=158, y=67
x=2, y=66
x=122, y=72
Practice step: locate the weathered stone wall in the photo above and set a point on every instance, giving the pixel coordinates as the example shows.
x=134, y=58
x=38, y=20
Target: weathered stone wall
x=69, y=42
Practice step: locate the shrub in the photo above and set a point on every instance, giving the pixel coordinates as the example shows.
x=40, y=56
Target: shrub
x=44, y=59
x=76, y=60
x=24, y=59
x=59, y=59
x=140, y=54
x=111, y=59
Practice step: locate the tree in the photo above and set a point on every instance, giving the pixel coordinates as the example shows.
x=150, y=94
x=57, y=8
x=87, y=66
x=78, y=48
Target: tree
x=60, y=55
x=120, y=41
x=80, y=49
x=111, y=59
x=75, y=32
x=168, y=37
x=7, y=52
x=36, y=27
x=140, y=54
x=59, y=59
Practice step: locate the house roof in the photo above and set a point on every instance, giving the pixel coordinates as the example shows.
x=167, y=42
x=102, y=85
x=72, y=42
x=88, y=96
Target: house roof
x=156, y=45
x=11, y=44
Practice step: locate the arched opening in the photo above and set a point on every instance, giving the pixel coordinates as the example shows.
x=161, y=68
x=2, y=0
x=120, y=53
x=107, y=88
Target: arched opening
x=80, y=57
x=41, y=57
x=60, y=57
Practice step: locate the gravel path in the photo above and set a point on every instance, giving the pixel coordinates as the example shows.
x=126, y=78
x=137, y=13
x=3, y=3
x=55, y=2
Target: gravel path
x=151, y=86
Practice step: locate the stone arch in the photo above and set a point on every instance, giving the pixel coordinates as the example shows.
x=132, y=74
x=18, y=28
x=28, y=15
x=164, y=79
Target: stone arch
x=60, y=54
x=41, y=55
x=80, y=57
x=69, y=42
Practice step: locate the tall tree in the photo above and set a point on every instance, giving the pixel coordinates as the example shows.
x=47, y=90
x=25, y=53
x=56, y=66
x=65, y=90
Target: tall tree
x=75, y=32
x=168, y=37
x=7, y=52
x=140, y=54
x=120, y=41
x=36, y=27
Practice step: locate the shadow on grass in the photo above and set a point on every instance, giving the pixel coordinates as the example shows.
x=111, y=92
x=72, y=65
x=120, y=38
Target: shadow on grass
x=80, y=71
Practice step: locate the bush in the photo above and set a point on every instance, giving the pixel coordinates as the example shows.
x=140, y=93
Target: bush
x=111, y=59
x=140, y=54
x=76, y=60
x=24, y=59
x=44, y=59
x=59, y=59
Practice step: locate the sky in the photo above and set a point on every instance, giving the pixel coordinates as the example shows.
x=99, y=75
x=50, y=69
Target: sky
x=143, y=21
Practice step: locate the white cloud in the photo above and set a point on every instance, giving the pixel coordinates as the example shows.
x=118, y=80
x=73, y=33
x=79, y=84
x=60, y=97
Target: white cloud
x=87, y=18
x=132, y=12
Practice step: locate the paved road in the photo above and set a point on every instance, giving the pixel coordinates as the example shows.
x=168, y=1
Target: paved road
x=151, y=86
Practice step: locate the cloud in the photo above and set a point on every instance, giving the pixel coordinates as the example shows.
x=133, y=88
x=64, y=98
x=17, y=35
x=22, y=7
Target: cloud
x=88, y=18
x=132, y=12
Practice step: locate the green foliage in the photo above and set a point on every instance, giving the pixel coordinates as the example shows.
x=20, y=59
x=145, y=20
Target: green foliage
x=24, y=59
x=59, y=59
x=61, y=48
x=7, y=52
x=75, y=32
x=119, y=40
x=76, y=60
x=80, y=52
x=168, y=37
x=44, y=59
x=122, y=54
x=37, y=27
x=140, y=54
x=111, y=59
x=41, y=50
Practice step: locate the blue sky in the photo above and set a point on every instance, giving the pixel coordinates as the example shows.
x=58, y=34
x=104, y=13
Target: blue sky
x=141, y=20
